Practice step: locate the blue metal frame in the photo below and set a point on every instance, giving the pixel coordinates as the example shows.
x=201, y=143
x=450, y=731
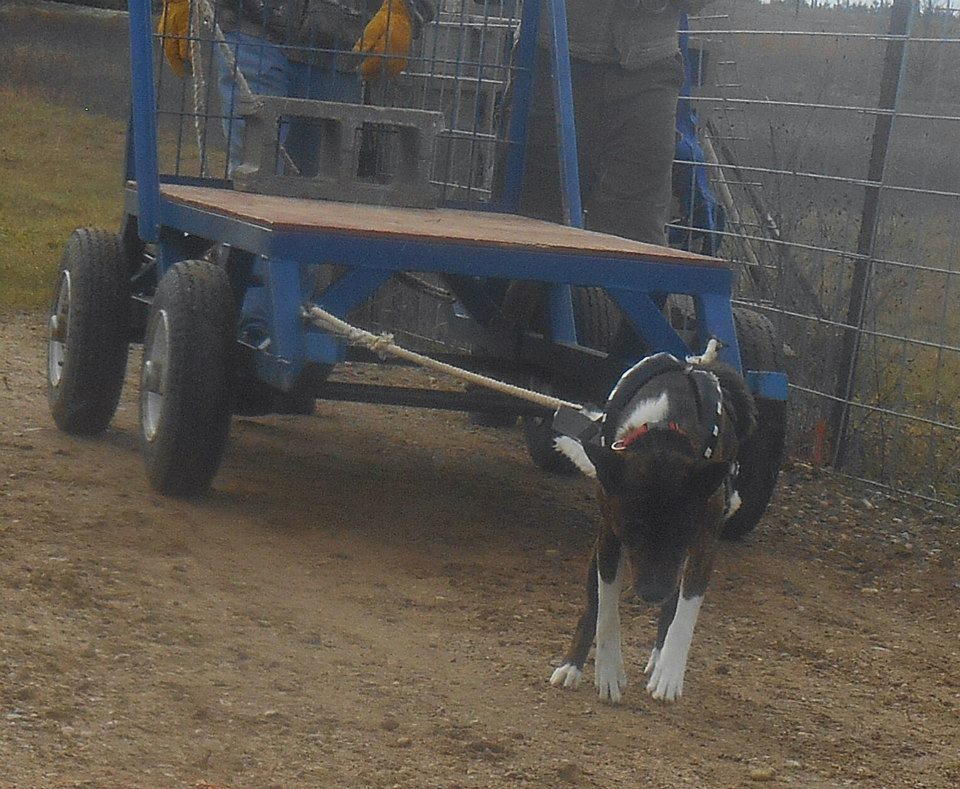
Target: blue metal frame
x=144, y=111
x=566, y=125
x=521, y=93
x=562, y=319
x=284, y=345
x=702, y=213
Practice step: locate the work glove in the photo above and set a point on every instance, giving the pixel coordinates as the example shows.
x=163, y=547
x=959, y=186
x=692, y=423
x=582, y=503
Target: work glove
x=174, y=28
x=386, y=39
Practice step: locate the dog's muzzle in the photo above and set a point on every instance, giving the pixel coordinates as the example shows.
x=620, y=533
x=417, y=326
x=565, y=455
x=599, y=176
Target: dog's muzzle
x=653, y=593
x=656, y=577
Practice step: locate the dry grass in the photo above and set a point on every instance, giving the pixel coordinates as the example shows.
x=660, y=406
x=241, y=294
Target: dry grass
x=59, y=169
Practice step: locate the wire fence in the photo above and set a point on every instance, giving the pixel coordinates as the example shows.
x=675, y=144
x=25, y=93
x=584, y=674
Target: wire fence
x=831, y=135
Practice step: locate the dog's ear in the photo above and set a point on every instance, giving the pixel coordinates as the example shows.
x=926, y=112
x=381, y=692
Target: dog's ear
x=609, y=466
x=705, y=479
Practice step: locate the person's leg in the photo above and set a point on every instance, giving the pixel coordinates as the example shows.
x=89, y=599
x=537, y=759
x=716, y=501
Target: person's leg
x=628, y=193
x=265, y=69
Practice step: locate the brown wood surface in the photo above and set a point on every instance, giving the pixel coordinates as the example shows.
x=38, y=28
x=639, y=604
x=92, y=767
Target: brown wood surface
x=477, y=228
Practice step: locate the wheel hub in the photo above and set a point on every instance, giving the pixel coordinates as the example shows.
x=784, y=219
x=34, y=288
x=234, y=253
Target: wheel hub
x=58, y=331
x=153, y=378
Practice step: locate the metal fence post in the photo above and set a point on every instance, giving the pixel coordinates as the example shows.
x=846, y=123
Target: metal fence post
x=891, y=83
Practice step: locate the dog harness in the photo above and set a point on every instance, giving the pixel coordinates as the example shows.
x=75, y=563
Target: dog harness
x=600, y=431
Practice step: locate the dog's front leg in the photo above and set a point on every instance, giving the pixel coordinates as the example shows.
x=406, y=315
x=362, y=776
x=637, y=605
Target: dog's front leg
x=569, y=673
x=610, y=675
x=600, y=619
x=667, y=611
x=668, y=661
x=678, y=617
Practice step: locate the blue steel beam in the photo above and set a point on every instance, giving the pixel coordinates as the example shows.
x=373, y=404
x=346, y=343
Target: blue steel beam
x=341, y=298
x=404, y=254
x=570, y=268
x=768, y=385
x=649, y=322
x=715, y=315
x=520, y=104
x=563, y=108
x=563, y=325
x=144, y=114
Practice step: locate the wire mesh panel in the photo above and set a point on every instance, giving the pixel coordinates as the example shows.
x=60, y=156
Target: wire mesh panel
x=253, y=111
x=460, y=66
x=833, y=133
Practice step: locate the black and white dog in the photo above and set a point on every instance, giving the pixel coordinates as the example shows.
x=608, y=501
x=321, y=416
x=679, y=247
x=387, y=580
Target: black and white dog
x=665, y=450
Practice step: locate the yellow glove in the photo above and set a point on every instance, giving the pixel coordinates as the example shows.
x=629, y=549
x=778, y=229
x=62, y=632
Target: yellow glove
x=388, y=36
x=174, y=27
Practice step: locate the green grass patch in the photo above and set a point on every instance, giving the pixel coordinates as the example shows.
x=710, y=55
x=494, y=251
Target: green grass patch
x=59, y=169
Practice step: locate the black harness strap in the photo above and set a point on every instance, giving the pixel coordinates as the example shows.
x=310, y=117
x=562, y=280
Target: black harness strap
x=585, y=429
x=629, y=384
x=711, y=407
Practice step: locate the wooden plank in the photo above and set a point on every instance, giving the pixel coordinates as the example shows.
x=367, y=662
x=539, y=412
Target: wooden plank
x=472, y=228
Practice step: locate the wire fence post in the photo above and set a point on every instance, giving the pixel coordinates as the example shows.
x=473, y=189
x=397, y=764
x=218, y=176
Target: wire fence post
x=891, y=83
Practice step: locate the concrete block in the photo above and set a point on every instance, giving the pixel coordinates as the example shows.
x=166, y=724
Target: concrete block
x=407, y=137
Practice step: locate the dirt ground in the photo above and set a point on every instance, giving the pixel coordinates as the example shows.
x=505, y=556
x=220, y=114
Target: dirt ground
x=374, y=597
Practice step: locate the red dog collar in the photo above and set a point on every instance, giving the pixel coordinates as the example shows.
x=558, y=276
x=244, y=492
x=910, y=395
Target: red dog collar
x=639, y=432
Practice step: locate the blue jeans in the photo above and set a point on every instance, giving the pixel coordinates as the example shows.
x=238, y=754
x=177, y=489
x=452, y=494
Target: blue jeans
x=270, y=72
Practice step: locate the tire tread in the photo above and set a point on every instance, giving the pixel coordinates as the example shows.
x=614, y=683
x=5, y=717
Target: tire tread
x=195, y=420
x=761, y=456
x=96, y=358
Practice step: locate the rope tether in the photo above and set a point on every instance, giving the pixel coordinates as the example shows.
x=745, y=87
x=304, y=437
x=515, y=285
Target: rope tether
x=384, y=345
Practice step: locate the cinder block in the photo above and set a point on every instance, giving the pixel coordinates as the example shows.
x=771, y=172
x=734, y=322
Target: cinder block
x=339, y=133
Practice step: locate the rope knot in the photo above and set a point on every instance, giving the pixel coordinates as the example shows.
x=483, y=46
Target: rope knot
x=380, y=344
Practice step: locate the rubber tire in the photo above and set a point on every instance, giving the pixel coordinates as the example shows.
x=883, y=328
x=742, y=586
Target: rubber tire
x=187, y=446
x=762, y=456
x=94, y=355
x=598, y=318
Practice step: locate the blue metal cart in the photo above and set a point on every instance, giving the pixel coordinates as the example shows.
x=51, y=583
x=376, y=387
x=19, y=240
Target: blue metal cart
x=215, y=266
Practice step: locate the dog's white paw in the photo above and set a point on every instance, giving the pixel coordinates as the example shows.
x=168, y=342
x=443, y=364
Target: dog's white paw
x=611, y=677
x=652, y=662
x=666, y=678
x=566, y=676
x=670, y=664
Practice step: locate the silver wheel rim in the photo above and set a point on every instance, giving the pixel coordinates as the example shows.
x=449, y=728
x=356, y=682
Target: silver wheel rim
x=153, y=377
x=59, y=325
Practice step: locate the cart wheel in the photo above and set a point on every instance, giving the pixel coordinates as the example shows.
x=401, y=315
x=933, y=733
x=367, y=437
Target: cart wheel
x=598, y=318
x=184, y=392
x=761, y=457
x=88, y=327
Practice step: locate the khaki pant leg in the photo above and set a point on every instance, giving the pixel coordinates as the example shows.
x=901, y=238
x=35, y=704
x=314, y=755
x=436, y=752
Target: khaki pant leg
x=627, y=190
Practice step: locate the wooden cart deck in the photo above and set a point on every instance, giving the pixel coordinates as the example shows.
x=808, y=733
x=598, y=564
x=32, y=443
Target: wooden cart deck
x=471, y=228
